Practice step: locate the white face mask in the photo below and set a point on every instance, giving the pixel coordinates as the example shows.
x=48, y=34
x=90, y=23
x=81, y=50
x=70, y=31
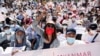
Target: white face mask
x=70, y=40
x=12, y=26
x=8, y=31
x=19, y=37
x=34, y=17
x=65, y=27
x=85, y=19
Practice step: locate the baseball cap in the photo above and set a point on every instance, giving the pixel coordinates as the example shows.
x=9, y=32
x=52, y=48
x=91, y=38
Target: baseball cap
x=70, y=31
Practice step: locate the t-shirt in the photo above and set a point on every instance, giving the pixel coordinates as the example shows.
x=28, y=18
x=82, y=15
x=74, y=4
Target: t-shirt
x=88, y=38
x=46, y=46
x=80, y=29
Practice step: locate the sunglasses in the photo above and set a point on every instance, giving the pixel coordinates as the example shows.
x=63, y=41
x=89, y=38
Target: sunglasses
x=50, y=25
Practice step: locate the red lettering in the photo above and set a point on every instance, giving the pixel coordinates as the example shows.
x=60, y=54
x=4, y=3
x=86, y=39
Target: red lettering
x=68, y=54
x=84, y=54
x=73, y=55
x=89, y=53
x=79, y=54
x=76, y=54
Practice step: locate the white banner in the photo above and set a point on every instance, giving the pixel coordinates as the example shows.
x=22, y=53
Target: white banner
x=78, y=50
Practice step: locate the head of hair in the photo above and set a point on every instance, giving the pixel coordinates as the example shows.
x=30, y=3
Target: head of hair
x=53, y=35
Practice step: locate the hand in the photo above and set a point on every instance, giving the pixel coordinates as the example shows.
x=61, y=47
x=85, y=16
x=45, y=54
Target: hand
x=14, y=52
x=40, y=17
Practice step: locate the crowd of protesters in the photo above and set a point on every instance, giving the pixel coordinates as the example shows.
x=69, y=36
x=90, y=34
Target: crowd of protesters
x=49, y=25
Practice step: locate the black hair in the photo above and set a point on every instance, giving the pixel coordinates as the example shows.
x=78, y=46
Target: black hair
x=81, y=13
x=93, y=26
x=6, y=27
x=60, y=30
x=69, y=13
x=54, y=34
x=54, y=19
x=71, y=30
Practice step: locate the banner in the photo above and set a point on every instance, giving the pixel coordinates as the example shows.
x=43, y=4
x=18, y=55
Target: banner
x=78, y=50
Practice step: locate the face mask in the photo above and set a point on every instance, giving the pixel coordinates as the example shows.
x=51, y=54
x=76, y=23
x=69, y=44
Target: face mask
x=70, y=40
x=12, y=26
x=7, y=31
x=65, y=27
x=85, y=19
x=19, y=37
x=34, y=17
x=49, y=31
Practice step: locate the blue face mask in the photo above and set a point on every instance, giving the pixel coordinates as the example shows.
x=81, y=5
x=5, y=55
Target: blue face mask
x=70, y=40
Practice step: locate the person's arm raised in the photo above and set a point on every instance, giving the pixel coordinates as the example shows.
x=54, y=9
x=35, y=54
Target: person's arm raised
x=35, y=23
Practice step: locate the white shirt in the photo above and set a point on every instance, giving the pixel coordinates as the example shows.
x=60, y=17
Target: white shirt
x=80, y=29
x=2, y=17
x=77, y=42
x=59, y=19
x=69, y=22
x=61, y=37
x=1, y=50
x=88, y=38
x=3, y=9
x=29, y=12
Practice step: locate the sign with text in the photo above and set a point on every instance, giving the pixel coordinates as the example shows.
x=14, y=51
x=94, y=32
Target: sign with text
x=78, y=50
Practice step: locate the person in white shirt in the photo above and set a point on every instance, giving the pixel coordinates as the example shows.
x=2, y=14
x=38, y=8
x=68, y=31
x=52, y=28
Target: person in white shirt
x=70, y=39
x=91, y=34
x=79, y=28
